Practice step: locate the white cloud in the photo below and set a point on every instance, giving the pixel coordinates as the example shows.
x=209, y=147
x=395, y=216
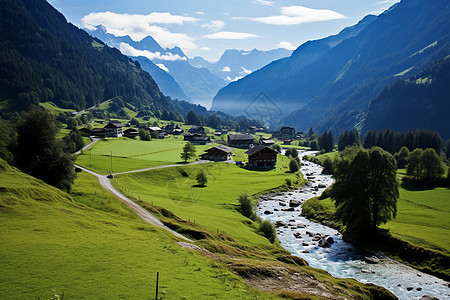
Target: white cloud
x=215, y=25
x=228, y=35
x=131, y=51
x=294, y=15
x=387, y=2
x=245, y=71
x=140, y=26
x=235, y=78
x=263, y=2
x=205, y=48
x=201, y=13
x=163, y=67
x=226, y=69
x=286, y=45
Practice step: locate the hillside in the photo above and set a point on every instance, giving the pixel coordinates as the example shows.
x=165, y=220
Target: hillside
x=420, y=101
x=331, y=88
x=45, y=58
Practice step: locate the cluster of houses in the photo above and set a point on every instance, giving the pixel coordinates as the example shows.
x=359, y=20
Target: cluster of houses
x=260, y=154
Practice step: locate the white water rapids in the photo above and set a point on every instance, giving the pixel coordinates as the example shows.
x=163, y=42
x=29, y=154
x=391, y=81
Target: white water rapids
x=341, y=259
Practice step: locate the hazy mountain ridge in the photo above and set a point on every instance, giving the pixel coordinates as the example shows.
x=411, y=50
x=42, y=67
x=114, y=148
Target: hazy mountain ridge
x=330, y=87
x=279, y=78
x=235, y=64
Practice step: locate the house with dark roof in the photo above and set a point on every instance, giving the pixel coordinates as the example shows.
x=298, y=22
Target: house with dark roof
x=99, y=132
x=197, y=130
x=197, y=139
x=262, y=157
x=169, y=129
x=131, y=133
x=218, y=153
x=114, y=129
x=285, y=133
x=244, y=141
x=267, y=142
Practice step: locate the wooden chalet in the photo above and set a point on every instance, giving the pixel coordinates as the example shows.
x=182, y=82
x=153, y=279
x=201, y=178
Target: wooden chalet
x=262, y=157
x=131, y=133
x=244, y=141
x=197, y=130
x=218, y=153
x=99, y=132
x=197, y=139
x=285, y=133
x=114, y=129
x=267, y=142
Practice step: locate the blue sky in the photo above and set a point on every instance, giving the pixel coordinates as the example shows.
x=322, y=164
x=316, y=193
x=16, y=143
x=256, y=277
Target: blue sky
x=208, y=28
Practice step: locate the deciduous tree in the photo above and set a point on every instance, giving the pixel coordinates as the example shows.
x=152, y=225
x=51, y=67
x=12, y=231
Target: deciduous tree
x=188, y=151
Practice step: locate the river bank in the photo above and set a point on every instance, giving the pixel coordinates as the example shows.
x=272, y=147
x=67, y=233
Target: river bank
x=324, y=247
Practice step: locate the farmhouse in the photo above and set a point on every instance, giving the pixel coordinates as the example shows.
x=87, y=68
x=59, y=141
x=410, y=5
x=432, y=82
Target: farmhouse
x=240, y=140
x=285, y=133
x=197, y=139
x=154, y=129
x=218, y=153
x=197, y=130
x=169, y=129
x=114, y=129
x=99, y=132
x=262, y=157
x=131, y=133
x=267, y=142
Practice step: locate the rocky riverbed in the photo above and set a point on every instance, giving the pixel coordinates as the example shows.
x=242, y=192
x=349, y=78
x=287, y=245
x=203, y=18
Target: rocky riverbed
x=325, y=248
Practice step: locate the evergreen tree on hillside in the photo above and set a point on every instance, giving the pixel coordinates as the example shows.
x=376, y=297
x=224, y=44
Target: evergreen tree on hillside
x=193, y=119
x=349, y=138
x=326, y=141
x=40, y=154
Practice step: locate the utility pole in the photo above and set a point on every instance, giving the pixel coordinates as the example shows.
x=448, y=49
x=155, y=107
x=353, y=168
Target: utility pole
x=157, y=281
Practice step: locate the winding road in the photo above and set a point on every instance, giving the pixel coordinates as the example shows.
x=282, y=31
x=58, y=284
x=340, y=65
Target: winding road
x=140, y=211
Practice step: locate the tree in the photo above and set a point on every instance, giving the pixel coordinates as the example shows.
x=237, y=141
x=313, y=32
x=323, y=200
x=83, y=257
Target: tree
x=366, y=189
x=277, y=147
x=413, y=167
x=293, y=165
x=313, y=145
x=40, y=154
x=144, y=135
x=201, y=178
x=7, y=136
x=349, y=138
x=430, y=165
x=447, y=149
x=310, y=132
x=402, y=157
x=371, y=139
x=188, y=151
x=327, y=166
x=192, y=118
x=74, y=141
x=326, y=141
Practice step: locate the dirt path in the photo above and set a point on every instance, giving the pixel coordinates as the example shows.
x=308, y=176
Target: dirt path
x=144, y=214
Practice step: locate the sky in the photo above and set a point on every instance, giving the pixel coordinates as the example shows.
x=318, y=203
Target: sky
x=207, y=28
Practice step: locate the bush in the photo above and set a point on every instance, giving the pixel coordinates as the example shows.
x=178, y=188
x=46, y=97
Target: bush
x=327, y=166
x=201, y=178
x=247, y=206
x=277, y=147
x=294, y=166
x=288, y=182
x=268, y=230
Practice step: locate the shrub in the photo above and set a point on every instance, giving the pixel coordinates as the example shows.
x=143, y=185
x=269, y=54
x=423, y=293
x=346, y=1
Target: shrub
x=293, y=166
x=247, y=206
x=327, y=166
x=288, y=182
x=201, y=178
x=268, y=230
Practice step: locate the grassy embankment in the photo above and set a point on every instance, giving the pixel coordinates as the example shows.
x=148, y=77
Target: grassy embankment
x=90, y=246
x=419, y=235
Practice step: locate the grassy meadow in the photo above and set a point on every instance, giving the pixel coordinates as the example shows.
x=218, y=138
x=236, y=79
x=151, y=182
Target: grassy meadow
x=90, y=246
x=214, y=206
x=132, y=154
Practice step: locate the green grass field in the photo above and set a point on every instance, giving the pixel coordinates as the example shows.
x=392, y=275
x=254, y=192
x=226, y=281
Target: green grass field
x=91, y=246
x=175, y=189
x=135, y=154
x=423, y=217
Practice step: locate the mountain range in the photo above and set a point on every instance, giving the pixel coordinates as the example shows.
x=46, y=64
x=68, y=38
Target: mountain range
x=236, y=64
x=328, y=84
x=195, y=80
